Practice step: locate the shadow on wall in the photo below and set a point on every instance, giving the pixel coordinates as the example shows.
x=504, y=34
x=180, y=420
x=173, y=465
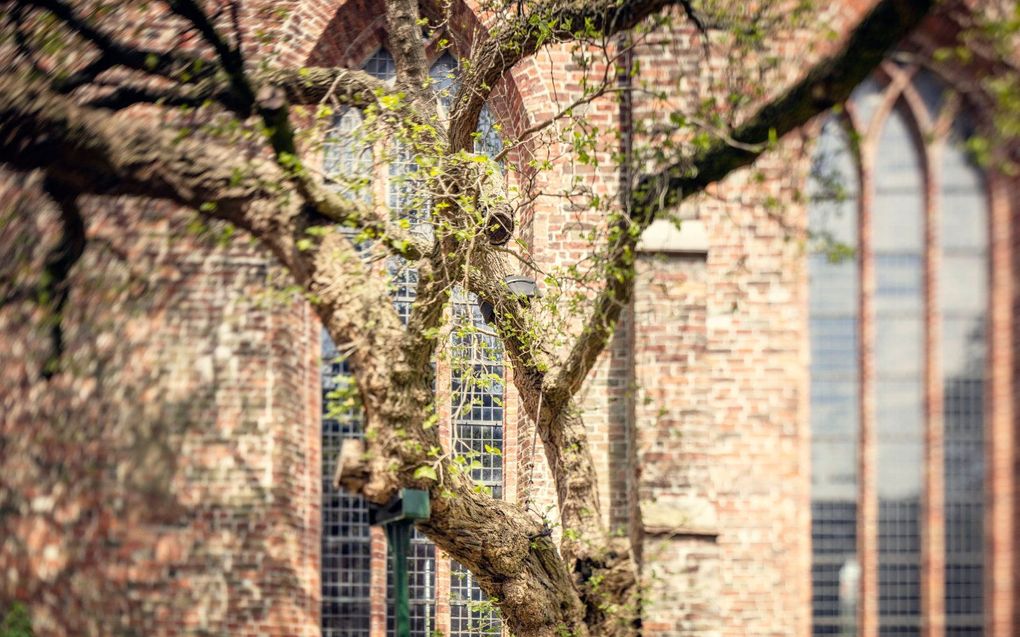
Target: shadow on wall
x=138, y=493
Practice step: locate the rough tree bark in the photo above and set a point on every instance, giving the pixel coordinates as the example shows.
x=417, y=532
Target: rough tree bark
x=69, y=129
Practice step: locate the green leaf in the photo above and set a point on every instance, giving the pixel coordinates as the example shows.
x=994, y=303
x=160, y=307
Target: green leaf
x=430, y=422
x=426, y=471
x=16, y=622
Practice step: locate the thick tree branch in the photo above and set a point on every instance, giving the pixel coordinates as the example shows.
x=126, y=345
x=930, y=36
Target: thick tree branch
x=88, y=151
x=408, y=49
x=337, y=86
x=551, y=22
x=311, y=85
x=166, y=64
x=127, y=94
x=827, y=84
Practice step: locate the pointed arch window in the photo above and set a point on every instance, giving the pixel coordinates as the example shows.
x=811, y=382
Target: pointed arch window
x=899, y=302
x=476, y=390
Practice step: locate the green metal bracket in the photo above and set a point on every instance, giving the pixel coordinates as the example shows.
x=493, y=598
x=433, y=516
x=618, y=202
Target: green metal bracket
x=410, y=504
x=397, y=518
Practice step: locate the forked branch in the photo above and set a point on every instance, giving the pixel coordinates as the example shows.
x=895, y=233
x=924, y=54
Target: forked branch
x=547, y=23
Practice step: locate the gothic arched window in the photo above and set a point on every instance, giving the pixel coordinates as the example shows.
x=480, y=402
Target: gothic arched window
x=898, y=285
x=476, y=390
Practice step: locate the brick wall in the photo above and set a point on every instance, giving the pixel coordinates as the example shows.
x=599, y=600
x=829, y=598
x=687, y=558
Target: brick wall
x=167, y=481
x=721, y=431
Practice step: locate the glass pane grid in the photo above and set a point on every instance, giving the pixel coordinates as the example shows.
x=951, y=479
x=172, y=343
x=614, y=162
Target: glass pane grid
x=488, y=142
x=833, y=529
x=834, y=572
x=346, y=544
x=477, y=393
x=347, y=159
x=833, y=287
x=444, y=74
x=898, y=275
x=381, y=65
x=900, y=625
x=899, y=528
x=964, y=591
x=403, y=286
x=834, y=390
x=421, y=576
x=405, y=199
x=834, y=345
x=899, y=587
x=471, y=613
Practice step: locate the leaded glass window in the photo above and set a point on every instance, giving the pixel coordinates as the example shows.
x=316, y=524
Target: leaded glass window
x=834, y=288
x=471, y=610
x=902, y=265
x=421, y=575
x=477, y=388
x=477, y=394
x=346, y=543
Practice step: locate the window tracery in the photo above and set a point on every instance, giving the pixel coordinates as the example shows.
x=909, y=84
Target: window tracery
x=898, y=358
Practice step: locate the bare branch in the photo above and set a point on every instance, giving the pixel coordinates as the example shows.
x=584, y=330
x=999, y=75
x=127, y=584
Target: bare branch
x=113, y=53
x=230, y=57
x=694, y=17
